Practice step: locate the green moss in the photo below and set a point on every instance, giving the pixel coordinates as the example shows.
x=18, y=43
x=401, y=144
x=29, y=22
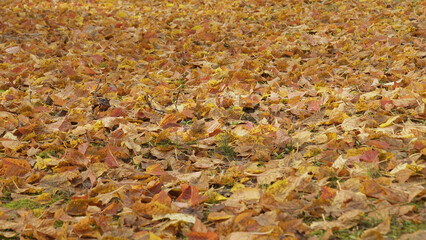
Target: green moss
x=48, y=153
x=186, y=122
x=399, y=228
x=22, y=204
x=58, y=224
x=59, y=195
x=318, y=233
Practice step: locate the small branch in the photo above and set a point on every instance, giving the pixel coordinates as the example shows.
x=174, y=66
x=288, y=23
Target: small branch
x=177, y=99
x=148, y=101
x=19, y=36
x=152, y=79
x=30, y=91
x=97, y=89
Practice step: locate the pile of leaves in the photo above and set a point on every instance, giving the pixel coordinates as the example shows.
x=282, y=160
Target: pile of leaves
x=247, y=119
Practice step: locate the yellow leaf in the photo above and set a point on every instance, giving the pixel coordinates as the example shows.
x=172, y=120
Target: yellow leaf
x=152, y=236
x=331, y=135
x=312, y=152
x=42, y=162
x=121, y=14
x=43, y=198
x=337, y=117
x=218, y=216
x=389, y=122
x=196, y=28
x=237, y=187
x=278, y=187
x=219, y=197
x=414, y=167
x=98, y=125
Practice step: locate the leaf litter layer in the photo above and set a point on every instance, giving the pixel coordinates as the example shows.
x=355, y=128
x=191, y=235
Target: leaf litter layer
x=212, y=119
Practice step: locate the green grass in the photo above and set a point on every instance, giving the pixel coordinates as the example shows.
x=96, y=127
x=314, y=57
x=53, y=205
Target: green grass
x=58, y=224
x=285, y=150
x=22, y=204
x=186, y=122
x=103, y=65
x=224, y=147
x=48, y=153
x=397, y=227
x=29, y=204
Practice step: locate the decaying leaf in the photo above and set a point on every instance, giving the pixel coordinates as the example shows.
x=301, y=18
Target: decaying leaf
x=212, y=120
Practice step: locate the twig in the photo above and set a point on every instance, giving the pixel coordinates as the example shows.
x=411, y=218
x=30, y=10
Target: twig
x=30, y=91
x=177, y=99
x=19, y=36
x=152, y=79
x=97, y=88
x=148, y=101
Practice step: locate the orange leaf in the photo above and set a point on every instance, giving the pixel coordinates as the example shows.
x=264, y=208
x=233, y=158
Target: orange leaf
x=168, y=120
x=155, y=169
x=163, y=198
x=386, y=102
x=118, y=112
x=202, y=236
x=327, y=192
x=89, y=71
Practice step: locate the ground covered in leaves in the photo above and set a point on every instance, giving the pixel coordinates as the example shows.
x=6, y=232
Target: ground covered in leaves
x=248, y=119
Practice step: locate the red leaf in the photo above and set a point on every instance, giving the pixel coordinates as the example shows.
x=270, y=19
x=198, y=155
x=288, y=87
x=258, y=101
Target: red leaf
x=82, y=148
x=68, y=71
x=186, y=192
x=370, y=156
x=18, y=69
x=110, y=160
x=379, y=144
x=418, y=145
x=65, y=125
x=192, y=194
x=314, y=105
x=97, y=59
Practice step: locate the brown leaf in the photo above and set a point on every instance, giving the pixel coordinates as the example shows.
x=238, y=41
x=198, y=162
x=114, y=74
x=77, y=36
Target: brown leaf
x=77, y=207
x=14, y=167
